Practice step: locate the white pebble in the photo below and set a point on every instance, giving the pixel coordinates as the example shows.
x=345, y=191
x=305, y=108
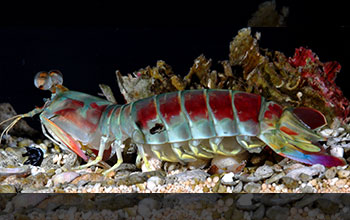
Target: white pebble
x=228, y=178
x=337, y=151
x=333, y=181
x=326, y=132
x=216, y=179
x=153, y=182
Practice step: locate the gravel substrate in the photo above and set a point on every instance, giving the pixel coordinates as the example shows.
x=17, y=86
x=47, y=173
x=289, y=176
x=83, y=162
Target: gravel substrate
x=175, y=206
x=263, y=174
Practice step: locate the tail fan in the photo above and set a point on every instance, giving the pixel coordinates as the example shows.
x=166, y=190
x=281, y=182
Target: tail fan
x=284, y=148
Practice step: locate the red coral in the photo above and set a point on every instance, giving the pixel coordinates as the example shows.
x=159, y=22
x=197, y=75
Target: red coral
x=301, y=56
x=331, y=70
x=321, y=77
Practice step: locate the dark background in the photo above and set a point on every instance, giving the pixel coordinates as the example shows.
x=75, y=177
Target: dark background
x=88, y=51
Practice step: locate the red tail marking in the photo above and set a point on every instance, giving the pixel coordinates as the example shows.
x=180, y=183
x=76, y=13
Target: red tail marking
x=288, y=131
x=273, y=110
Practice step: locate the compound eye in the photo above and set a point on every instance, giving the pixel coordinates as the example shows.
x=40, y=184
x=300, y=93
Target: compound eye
x=56, y=77
x=43, y=81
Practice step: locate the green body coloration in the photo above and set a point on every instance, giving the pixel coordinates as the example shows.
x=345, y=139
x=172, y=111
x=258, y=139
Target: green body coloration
x=182, y=126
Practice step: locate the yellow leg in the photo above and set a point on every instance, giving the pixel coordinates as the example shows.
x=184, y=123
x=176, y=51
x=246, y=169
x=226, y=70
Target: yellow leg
x=182, y=155
x=99, y=156
x=218, y=146
x=197, y=151
x=251, y=144
x=119, y=161
x=163, y=157
x=141, y=154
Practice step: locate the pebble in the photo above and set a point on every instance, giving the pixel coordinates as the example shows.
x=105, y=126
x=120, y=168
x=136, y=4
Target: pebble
x=327, y=206
x=146, y=206
x=306, y=200
x=238, y=188
x=277, y=168
x=21, y=201
x=18, y=171
x=200, y=175
x=275, y=178
x=326, y=132
x=290, y=182
x=259, y=213
x=227, y=179
x=264, y=172
x=307, y=189
x=88, y=177
x=341, y=183
x=343, y=174
x=229, y=163
x=330, y=173
x=313, y=213
x=245, y=202
x=290, y=165
x=252, y=187
x=337, y=151
x=277, y=213
x=314, y=170
x=153, y=182
x=65, y=177
x=86, y=215
x=305, y=177
x=229, y=202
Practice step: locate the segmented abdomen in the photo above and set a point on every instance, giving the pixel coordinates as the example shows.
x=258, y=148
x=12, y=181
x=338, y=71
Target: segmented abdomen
x=191, y=114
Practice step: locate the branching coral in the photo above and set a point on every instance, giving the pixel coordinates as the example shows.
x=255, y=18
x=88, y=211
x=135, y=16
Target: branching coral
x=301, y=80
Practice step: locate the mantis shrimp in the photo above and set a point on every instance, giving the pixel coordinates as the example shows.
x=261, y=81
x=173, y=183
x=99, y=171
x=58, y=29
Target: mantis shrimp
x=180, y=126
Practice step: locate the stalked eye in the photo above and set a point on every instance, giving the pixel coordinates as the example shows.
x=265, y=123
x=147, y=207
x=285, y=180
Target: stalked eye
x=310, y=117
x=56, y=77
x=43, y=81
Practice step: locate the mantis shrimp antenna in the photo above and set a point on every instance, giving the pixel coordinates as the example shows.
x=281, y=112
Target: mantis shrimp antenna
x=44, y=81
x=15, y=120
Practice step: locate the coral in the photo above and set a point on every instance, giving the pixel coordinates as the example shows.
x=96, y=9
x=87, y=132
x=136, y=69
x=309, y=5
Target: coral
x=321, y=77
x=301, y=80
x=149, y=81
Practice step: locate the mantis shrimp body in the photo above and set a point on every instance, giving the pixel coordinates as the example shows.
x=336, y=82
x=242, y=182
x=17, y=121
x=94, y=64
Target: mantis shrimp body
x=180, y=126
